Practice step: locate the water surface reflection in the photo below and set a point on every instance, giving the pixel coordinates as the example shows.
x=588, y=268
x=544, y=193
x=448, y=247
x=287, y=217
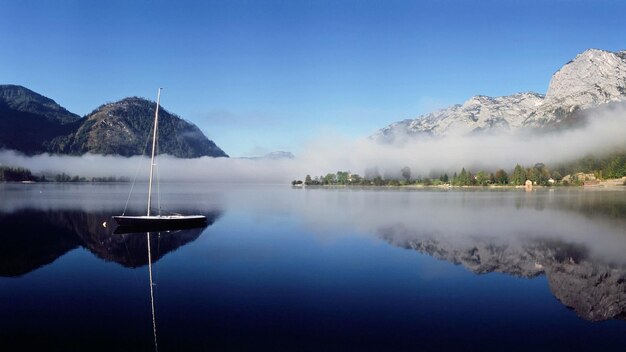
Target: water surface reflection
x=317, y=269
x=576, y=240
x=32, y=238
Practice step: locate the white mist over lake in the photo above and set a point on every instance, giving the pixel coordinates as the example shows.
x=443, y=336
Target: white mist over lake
x=603, y=133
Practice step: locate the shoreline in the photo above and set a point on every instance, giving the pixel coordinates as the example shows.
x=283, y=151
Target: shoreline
x=617, y=183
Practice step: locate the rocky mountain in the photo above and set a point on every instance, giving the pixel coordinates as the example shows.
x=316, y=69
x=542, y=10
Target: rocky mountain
x=123, y=128
x=593, y=78
x=28, y=120
x=33, y=124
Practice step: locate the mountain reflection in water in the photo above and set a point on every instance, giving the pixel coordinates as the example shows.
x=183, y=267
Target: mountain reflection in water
x=584, y=272
x=32, y=238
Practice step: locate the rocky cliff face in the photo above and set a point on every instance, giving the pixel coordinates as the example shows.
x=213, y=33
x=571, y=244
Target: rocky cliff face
x=593, y=78
x=479, y=113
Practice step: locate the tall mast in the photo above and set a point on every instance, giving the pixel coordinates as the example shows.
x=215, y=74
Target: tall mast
x=154, y=136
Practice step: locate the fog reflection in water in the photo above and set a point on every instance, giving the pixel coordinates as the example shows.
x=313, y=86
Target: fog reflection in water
x=577, y=238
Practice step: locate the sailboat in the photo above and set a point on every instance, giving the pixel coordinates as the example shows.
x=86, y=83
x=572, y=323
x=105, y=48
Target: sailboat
x=149, y=222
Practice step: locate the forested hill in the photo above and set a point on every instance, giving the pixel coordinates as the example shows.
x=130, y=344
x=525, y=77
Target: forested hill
x=123, y=127
x=31, y=123
x=29, y=120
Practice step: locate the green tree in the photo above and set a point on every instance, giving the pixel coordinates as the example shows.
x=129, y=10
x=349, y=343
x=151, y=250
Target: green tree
x=518, y=177
x=616, y=167
x=13, y=174
x=502, y=177
x=307, y=180
x=533, y=175
x=330, y=179
x=542, y=173
x=471, y=178
x=342, y=177
x=463, y=179
x=482, y=179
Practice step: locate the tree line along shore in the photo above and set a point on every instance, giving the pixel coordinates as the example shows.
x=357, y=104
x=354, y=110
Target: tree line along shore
x=20, y=174
x=586, y=171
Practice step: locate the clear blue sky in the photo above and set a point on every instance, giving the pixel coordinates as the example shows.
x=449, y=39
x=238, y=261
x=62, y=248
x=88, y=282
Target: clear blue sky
x=258, y=76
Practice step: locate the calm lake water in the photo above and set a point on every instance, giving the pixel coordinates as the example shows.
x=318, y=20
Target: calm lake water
x=315, y=269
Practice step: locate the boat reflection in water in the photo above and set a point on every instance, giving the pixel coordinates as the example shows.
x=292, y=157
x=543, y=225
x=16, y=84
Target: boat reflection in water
x=169, y=225
x=155, y=233
x=33, y=238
